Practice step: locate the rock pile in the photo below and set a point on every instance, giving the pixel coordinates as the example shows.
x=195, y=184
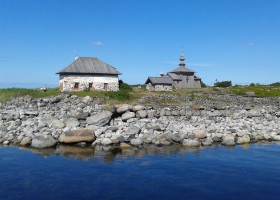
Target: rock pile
x=45, y=122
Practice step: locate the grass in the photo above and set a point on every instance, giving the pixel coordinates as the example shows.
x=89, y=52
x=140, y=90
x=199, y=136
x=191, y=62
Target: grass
x=10, y=93
x=260, y=90
x=132, y=96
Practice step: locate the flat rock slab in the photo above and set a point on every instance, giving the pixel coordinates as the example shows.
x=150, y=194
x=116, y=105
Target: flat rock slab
x=99, y=119
x=81, y=135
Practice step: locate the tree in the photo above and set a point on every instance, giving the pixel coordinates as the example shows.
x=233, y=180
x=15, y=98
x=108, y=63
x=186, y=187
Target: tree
x=223, y=84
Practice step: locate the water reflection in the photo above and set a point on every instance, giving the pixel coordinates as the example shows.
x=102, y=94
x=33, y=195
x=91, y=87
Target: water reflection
x=109, y=153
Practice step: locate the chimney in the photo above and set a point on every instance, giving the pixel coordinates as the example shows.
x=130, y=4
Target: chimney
x=76, y=57
x=161, y=74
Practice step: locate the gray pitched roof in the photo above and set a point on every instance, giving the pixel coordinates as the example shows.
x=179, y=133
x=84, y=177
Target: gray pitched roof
x=174, y=77
x=197, y=78
x=182, y=69
x=88, y=65
x=163, y=80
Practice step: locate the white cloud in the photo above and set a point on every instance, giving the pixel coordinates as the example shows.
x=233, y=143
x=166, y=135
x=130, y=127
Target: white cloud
x=99, y=43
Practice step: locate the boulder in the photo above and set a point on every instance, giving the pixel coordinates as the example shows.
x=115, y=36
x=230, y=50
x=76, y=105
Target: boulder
x=99, y=119
x=243, y=140
x=250, y=94
x=229, y=140
x=178, y=137
x=25, y=141
x=138, y=108
x=136, y=142
x=80, y=135
x=133, y=130
x=207, y=142
x=128, y=115
x=123, y=108
x=55, y=123
x=141, y=114
x=72, y=123
x=199, y=134
x=82, y=116
x=191, y=143
x=106, y=141
x=43, y=141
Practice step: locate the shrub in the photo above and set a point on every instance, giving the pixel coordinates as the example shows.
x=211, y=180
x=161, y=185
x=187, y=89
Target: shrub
x=124, y=86
x=203, y=84
x=223, y=84
x=252, y=85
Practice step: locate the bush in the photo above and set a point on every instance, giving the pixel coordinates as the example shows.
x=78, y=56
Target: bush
x=203, y=84
x=277, y=84
x=118, y=95
x=124, y=86
x=223, y=84
x=252, y=84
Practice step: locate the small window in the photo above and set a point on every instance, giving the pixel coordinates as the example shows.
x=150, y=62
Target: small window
x=105, y=86
x=90, y=85
x=76, y=86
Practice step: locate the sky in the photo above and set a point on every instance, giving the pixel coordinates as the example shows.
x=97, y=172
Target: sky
x=224, y=40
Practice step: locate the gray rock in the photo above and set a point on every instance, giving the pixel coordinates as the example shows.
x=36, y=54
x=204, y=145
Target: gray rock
x=123, y=108
x=25, y=141
x=191, y=143
x=141, y=114
x=106, y=141
x=133, y=130
x=31, y=112
x=178, y=137
x=207, y=142
x=99, y=119
x=200, y=134
x=136, y=142
x=250, y=94
x=55, y=123
x=128, y=115
x=43, y=141
x=75, y=136
x=82, y=116
x=137, y=108
x=6, y=142
x=72, y=123
x=229, y=140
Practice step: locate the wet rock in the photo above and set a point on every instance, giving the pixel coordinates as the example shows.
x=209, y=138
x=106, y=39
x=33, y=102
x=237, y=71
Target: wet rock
x=191, y=143
x=243, y=140
x=106, y=141
x=199, y=133
x=229, y=140
x=26, y=141
x=136, y=142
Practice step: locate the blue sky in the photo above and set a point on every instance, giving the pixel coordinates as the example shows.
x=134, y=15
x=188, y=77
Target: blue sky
x=237, y=40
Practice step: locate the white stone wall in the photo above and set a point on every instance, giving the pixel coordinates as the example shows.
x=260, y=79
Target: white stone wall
x=67, y=82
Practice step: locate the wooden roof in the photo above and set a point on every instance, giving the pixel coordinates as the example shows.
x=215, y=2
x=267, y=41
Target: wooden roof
x=163, y=80
x=89, y=65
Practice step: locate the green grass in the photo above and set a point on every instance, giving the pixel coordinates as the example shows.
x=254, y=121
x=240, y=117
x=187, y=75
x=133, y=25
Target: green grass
x=132, y=96
x=260, y=90
x=10, y=93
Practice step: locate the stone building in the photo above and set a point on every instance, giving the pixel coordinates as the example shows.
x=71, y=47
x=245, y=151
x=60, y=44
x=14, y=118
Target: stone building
x=86, y=73
x=178, y=78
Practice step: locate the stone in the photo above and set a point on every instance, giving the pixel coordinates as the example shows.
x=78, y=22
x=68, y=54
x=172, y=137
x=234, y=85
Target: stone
x=151, y=113
x=199, y=134
x=106, y=141
x=137, y=108
x=191, y=143
x=243, y=140
x=75, y=136
x=6, y=142
x=82, y=116
x=123, y=108
x=31, y=112
x=178, y=137
x=43, y=141
x=25, y=141
x=276, y=137
x=207, y=142
x=141, y=114
x=99, y=119
x=136, y=141
x=125, y=146
x=128, y=115
x=72, y=123
x=55, y=123
x=133, y=130
x=229, y=140
x=250, y=94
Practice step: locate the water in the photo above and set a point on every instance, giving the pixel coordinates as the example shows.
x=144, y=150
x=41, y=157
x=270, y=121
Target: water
x=251, y=172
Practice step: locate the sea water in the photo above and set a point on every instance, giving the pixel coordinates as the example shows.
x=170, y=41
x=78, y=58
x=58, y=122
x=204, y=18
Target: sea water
x=250, y=172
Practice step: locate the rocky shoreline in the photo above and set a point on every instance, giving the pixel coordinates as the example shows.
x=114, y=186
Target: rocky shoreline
x=205, y=120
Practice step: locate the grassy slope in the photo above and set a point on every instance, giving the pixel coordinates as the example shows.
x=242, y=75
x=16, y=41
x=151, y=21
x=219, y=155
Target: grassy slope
x=124, y=96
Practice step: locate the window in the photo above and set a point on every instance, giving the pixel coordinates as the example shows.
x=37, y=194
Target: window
x=90, y=85
x=76, y=86
x=105, y=86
